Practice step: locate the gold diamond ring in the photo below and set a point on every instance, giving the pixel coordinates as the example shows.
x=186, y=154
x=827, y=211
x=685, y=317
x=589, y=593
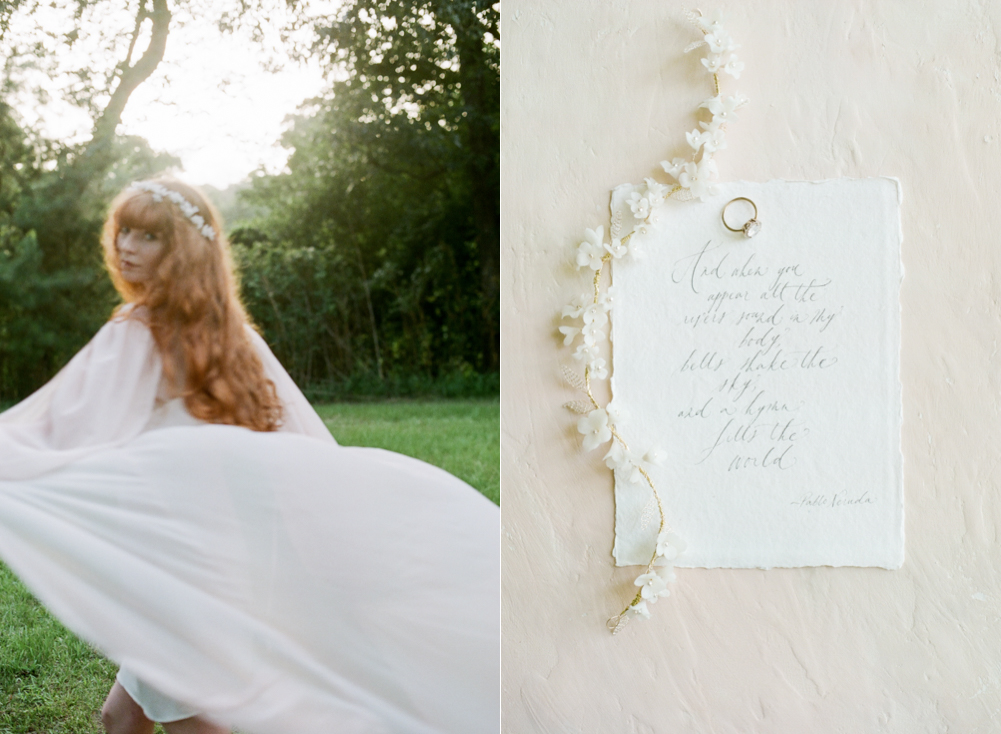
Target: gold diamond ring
x=751, y=227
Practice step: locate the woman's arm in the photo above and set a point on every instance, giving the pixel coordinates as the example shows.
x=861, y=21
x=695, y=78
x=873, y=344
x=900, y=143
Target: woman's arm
x=102, y=398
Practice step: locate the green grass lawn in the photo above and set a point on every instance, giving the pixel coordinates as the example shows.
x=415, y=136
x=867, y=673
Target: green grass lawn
x=460, y=436
x=50, y=681
x=53, y=683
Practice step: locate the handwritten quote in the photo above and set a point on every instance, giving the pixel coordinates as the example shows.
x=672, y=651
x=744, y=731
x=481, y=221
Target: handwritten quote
x=755, y=323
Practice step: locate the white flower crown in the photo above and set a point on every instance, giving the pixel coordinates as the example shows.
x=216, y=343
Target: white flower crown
x=161, y=192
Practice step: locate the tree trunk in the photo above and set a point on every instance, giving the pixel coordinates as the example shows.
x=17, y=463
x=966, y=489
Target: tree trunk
x=371, y=311
x=98, y=150
x=66, y=243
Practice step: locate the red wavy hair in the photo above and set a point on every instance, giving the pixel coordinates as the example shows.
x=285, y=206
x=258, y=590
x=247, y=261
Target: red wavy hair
x=192, y=306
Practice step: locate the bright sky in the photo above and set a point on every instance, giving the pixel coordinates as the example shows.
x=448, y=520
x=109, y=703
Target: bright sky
x=209, y=102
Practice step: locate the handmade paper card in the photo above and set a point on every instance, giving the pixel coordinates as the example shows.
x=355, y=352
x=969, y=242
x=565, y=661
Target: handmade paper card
x=766, y=369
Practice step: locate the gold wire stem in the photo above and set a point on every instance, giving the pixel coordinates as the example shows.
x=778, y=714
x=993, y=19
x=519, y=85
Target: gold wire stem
x=616, y=623
x=649, y=481
x=587, y=384
x=715, y=74
x=597, y=294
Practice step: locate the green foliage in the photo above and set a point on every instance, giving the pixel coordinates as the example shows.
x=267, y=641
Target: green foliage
x=40, y=323
x=41, y=320
x=54, y=293
x=367, y=386
x=460, y=436
x=375, y=256
x=7, y=8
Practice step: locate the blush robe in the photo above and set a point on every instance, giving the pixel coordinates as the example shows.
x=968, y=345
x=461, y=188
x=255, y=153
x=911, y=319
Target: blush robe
x=277, y=582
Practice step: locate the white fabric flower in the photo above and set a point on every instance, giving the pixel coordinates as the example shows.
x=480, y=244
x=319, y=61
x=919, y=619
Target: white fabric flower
x=606, y=299
x=713, y=137
x=688, y=169
x=569, y=332
x=710, y=24
x=640, y=609
x=669, y=546
x=720, y=42
x=723, y=109
x=598, y=369
x=592, y=333
x=616, y=249
x=617, y=413
x=639, y=205
x=619, y=460
x=595, y=318
x=576, y=308
x=586, y=353
x=675, y=167
x=615, y=456
x=653, y=586
x=595, y=314
x=733, y=67
x=594, y=427
x=713, y=63
x=654, y=456
x=592, y=249
x=695, y=139
x=656, y=193
x=632, y=473
x=697, y=178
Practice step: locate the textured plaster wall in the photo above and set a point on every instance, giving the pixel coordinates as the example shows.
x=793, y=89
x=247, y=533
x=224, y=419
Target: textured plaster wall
x=596, y=93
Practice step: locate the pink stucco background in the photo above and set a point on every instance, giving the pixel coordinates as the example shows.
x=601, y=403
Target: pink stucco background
x=596, y=93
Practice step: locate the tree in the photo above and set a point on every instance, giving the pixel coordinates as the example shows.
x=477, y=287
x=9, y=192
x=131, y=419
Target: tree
x=393, y=184
x=431, y=65
x=7, y=8
x=53, y=291
x=130, y=75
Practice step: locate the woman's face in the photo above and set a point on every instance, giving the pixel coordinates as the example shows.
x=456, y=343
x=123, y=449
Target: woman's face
x=139, y=253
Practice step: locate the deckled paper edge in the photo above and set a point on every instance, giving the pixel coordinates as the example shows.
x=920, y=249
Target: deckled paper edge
x=901, y=487
x=901, y=504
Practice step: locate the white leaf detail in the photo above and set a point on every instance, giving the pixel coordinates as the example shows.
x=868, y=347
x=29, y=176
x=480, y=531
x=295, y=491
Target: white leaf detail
x=574, y=379
x=578, y=406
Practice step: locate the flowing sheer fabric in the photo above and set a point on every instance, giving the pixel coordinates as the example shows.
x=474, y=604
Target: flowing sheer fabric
x=276, y=582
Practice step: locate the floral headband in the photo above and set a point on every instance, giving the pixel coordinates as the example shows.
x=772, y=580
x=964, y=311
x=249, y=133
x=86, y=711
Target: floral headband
x=161, y=192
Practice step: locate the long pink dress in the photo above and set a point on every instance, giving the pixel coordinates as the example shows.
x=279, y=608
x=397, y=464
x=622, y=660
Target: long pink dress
x=276, y=582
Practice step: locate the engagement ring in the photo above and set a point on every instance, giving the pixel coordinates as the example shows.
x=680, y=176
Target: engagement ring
x=751, y=227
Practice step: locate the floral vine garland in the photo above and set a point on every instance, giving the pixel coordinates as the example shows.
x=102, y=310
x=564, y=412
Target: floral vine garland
x=694, y=180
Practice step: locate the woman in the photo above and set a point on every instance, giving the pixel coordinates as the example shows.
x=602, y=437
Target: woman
x=267, y=578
